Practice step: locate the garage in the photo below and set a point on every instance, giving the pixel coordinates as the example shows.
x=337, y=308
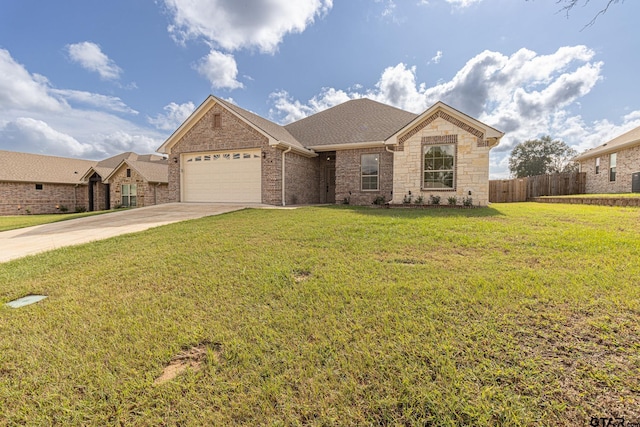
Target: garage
x=222, y=176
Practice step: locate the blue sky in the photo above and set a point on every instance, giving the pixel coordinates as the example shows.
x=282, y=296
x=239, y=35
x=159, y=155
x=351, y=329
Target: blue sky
x=92, y=79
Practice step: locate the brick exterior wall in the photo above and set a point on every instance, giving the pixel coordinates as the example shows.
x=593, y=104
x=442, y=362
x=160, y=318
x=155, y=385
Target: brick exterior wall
x=302, y=175
x=627, y=163
x=147, y=194
x=22, y=198
x=472, y=162
x=233, y=134
x=348, y=178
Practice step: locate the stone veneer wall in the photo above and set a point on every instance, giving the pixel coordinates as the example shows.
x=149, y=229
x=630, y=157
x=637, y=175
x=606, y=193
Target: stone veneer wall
x=627, y=163
x=233, y=134
x=302, y=175
x=472, y=163
x=148, y=194
x=22, y=198
x=348, y=184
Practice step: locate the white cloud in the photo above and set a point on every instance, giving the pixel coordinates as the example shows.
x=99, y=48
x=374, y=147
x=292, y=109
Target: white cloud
x=21, y=90
x=525, y=95
x=28, y=134
x=233, y=25
x=462, y=3
x=104, y=102
x=287, y=110
x=220, y=69
x=436, y=59
x=36, y=117
x=173, y=117
x=90, y=57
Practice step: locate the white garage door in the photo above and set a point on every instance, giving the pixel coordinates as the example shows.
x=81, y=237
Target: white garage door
x=222, y=176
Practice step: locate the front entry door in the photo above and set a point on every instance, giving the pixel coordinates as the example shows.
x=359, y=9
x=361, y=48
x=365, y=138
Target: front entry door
x=331, y=185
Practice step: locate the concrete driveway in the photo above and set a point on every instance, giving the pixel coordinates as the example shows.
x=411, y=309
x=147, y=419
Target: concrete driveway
x=31, y=240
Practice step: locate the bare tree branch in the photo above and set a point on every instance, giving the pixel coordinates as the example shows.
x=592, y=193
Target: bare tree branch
x=570, y=4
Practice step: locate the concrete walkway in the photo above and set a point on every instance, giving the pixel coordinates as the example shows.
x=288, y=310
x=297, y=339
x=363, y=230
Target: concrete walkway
x=31, y=240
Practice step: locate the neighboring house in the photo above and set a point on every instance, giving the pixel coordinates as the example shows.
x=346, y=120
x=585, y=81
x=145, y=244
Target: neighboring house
x=36, y=184
x=354, y=152
x=127, y=180
x=613, y=167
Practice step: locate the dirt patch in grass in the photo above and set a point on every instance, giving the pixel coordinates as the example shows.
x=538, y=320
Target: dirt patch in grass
x=301, y=275
x=192, y=358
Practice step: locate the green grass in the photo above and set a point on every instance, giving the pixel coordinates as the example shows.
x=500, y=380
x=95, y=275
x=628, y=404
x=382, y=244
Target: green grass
x=603, y=196
x=20, y=221
x=518, y=315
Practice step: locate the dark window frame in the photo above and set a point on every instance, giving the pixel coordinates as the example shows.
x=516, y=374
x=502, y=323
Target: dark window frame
x=613, y=164
x=369, y=176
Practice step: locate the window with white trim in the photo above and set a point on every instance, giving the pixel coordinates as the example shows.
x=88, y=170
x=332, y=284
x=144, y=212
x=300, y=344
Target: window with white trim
x=613, y=160
x=597, y=165
x=129, y=195
x=439, y=167
x=369, y=171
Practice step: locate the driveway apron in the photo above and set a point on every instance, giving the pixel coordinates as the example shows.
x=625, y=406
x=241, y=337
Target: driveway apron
x=32, y=240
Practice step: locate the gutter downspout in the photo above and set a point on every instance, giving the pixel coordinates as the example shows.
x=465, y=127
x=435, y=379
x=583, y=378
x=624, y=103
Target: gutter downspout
x=386, y=147
x=283, y=175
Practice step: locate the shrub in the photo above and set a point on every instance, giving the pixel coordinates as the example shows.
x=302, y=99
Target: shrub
x=419, y=200
x=452, y=200
x=379, y=200
x=346, y=201
x=435, y=200
x=467, y=201
x=63, y=208
x=80, y=209
x=407, y=199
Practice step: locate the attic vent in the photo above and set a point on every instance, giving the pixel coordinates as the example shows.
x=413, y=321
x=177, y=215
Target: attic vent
x=217, y=121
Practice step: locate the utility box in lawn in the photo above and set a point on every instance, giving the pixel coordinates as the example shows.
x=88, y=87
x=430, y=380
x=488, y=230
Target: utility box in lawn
x=635, y=182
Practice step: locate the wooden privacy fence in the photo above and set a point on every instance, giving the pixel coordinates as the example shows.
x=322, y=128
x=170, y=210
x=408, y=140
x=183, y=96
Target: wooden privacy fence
x=523, y=189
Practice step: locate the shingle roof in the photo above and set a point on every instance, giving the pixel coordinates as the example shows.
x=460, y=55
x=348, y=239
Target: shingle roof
x=152, y=171
x=358, y=120
x=627, y=139
x=26, y=167
x=277, y=132
x=151, y=168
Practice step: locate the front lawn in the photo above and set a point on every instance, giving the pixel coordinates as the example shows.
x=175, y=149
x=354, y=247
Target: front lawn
x=20, y=221
x=518, y=315
x=601, y=196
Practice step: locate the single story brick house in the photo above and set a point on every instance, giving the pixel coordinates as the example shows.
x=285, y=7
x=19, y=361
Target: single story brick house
x=613, y=167
x=39, y=184
x=127, y=180
x=354, y=152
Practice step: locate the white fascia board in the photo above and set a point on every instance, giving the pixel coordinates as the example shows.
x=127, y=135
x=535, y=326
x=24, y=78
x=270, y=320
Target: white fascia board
x=285, y=145
x=602, y=150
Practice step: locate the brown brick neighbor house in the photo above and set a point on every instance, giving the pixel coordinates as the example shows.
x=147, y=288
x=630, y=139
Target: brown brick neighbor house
x=127, y=180
x=38, y=184
x=613, y=167
x=355, y=152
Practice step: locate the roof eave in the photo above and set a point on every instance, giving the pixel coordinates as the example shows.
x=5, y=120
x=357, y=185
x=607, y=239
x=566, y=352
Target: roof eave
x=601, y=150
x=282, y=145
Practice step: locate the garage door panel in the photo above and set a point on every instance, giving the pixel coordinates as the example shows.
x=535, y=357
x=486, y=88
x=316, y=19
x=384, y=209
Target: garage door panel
x=224, y=176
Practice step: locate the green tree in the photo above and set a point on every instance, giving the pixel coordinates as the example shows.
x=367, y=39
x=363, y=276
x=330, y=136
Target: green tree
x=541, y=156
